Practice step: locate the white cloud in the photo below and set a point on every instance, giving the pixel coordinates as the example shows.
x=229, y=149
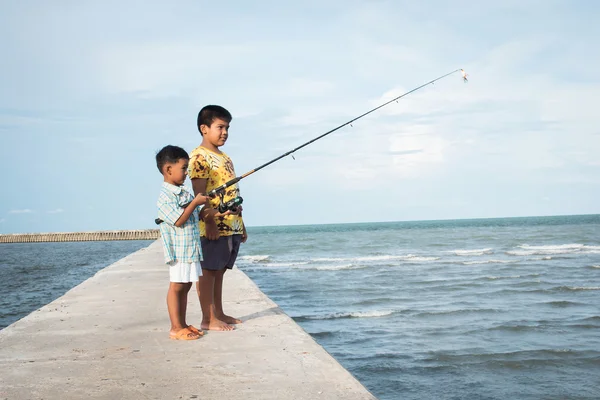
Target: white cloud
x=416, y=151
x=23, y=211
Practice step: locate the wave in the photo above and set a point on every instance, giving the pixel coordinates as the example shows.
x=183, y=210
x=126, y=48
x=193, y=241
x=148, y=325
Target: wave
x=594, y=318
x=303, y=266
x=287, y=264
x=340, y=315
x=493, y=278
x=473, y=252
x=562, y=303
x=515, y=327
x=406, y=257
x=321, y=335
x=333, y=267
x=411, y=258
x=517, y=360
x=572, y=248
x=254, y=259
x=455, y=312
x=575, y=288
x=487, y=262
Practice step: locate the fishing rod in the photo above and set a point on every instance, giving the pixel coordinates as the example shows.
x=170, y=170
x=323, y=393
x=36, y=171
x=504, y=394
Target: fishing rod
x=232, y=204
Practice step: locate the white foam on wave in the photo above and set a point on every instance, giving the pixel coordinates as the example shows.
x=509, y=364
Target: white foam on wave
x=303, y=266
x=333, y=267
x=571, y=248
x=584, y=288
x=254, y=259
x=366, y=258
x=287, y=264
x=357, y=314
x=493, y=278
x=471, y=252
x=595, y=266
x=406, y=257
x=487, y=262
x=545, y=258
x=412, y=258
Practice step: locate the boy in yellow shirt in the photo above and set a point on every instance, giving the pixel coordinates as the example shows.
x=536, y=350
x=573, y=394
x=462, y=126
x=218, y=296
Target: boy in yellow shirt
x=220, y=233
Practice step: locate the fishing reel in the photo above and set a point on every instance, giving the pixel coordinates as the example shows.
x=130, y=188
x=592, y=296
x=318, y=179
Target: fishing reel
x=231, y=205
x=224, y=206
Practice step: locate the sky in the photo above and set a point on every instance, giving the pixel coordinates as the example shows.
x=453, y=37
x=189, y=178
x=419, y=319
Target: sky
x=90, y=91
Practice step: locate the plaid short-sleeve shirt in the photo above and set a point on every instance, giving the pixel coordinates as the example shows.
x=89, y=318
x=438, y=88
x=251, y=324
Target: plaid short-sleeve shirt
x=179, y=243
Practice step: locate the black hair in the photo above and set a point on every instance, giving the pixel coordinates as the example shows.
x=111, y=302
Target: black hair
x=209, y=113
x=170, y=155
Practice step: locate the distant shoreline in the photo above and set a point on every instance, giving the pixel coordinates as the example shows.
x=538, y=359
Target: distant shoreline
x=138, y=234
x=153, y=234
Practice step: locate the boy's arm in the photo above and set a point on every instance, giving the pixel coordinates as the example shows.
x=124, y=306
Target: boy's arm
x=207, y=214
x=244, y=235
x=199, y=187
x=189, y=210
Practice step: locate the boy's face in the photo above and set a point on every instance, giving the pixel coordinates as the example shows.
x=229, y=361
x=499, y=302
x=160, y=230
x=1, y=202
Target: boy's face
x=176, y=173
x=216, y=134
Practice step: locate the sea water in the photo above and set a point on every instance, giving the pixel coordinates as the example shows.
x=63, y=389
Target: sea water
x=465, y=309
x=34, y=274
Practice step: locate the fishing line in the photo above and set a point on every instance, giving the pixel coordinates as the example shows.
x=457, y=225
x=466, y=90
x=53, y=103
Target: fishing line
x=220, y=189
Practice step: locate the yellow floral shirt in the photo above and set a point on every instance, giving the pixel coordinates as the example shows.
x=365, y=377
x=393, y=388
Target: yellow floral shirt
x=217, y=169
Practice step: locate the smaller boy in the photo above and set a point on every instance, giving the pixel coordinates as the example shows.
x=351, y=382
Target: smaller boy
x=178, y=221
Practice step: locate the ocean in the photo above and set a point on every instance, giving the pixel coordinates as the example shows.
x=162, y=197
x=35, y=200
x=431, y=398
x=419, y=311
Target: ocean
x=459, y=309
x=465, y=309
x=34, y=274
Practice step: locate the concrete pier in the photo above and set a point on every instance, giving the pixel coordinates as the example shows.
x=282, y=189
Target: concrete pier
x=108, y=339
x=139, y=234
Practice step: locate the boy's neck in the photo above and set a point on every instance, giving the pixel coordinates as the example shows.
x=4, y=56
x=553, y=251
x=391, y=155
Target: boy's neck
x=170, y=181
x=208, y=145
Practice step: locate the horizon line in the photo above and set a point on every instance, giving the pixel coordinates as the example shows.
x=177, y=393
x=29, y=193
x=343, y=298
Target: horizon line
x=323, y=224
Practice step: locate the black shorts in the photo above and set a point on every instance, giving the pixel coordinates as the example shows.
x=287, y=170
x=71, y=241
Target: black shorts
x=221, y=253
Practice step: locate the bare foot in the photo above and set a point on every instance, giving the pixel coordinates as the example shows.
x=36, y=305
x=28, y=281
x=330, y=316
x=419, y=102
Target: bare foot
x=216, y=325
x=230, y=320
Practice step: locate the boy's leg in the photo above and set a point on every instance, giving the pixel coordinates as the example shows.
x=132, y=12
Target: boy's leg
x=177, y=305
x=206, y=294
x=218, y=300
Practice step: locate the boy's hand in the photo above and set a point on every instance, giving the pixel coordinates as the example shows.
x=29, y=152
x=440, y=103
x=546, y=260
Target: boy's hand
x=238, y=211
x=210, y=226
x=244, y=235
x=200, y=199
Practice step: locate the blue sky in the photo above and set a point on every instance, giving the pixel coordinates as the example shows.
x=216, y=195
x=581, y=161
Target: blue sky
x=91, y=90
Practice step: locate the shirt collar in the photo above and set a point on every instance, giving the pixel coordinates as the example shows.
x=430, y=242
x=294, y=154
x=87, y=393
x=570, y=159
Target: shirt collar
x=172, y=188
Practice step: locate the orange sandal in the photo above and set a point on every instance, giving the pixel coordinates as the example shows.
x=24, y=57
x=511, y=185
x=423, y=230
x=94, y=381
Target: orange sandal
x=195, y=330
x=185, y=334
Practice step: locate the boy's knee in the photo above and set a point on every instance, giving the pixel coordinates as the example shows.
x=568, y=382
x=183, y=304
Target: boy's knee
x=180, y=287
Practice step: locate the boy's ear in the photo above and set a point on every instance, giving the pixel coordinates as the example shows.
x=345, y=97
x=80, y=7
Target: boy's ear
x=202, y=129
x=167, y=169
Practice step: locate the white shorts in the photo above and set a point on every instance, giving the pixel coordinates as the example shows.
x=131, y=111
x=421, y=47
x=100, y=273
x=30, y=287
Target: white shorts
x=182, y=272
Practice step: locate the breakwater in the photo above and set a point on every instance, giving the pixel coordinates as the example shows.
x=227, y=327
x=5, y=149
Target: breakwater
x=108, y=338
x=139, y=234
